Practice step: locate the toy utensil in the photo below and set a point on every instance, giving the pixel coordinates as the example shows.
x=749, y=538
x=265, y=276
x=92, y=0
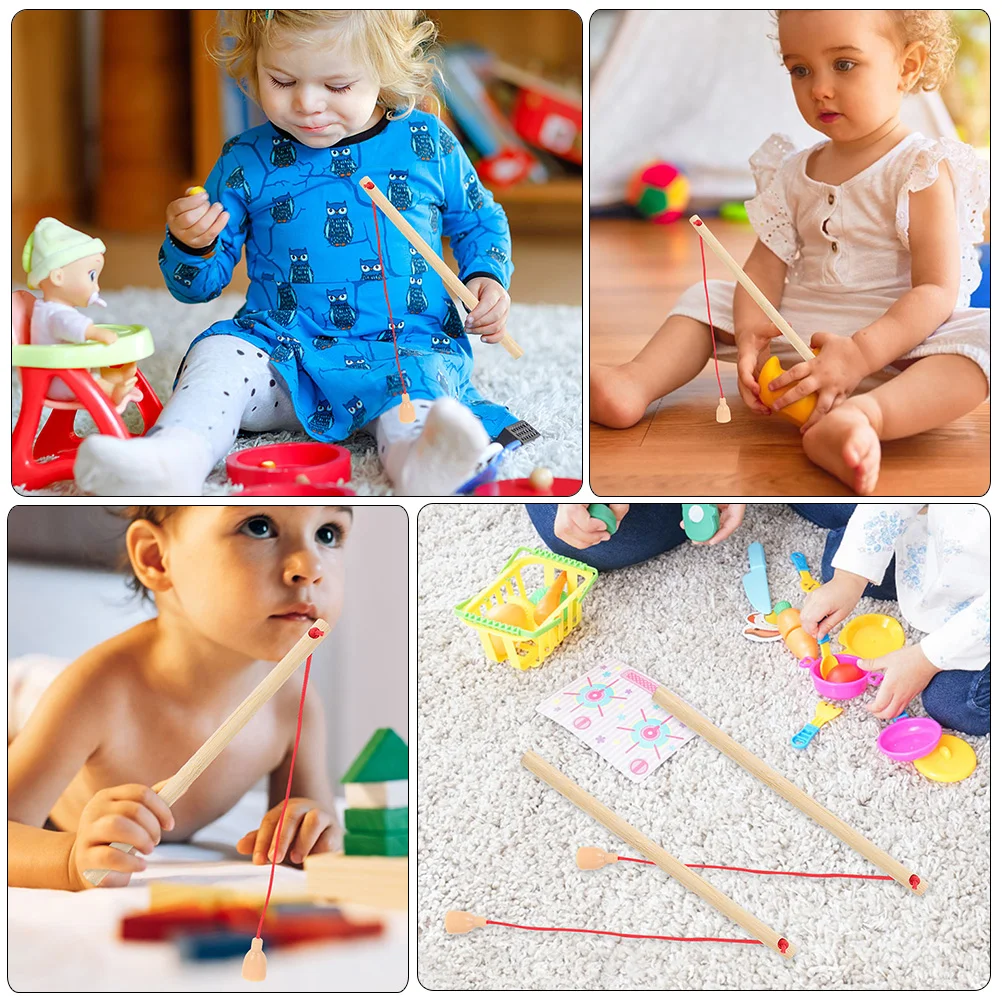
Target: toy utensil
x=604, y=514
x=823, y=712
x=451, y=281
x=828, y=660
x=755, y=581
x=752, y=289
x=554, y=778
x=178, y=784
x=871, y=635
x=807, y=581
x=724, y=742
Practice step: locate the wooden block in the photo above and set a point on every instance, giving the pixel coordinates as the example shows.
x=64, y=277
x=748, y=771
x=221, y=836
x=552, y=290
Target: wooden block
x=377, y=796
x=357, y=819
x=384, y=758
x=387, y=844
x=376, y=881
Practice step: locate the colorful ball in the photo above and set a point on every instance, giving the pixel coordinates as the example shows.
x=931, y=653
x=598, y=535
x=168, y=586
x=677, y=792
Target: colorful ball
x=659, y=192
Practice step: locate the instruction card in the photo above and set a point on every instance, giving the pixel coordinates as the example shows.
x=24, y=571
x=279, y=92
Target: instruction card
x=611, y=710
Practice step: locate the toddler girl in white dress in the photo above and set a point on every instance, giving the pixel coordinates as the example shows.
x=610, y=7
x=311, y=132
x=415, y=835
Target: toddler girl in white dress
x=866, y=241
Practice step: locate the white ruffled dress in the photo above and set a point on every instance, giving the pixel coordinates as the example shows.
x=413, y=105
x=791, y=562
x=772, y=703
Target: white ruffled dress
x=846, y=245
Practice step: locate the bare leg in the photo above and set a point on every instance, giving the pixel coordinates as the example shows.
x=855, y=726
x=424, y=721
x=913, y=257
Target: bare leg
x=676, y=354
x=930, y=393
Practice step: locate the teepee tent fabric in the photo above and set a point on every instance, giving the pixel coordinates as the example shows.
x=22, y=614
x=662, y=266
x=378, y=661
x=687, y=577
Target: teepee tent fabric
x=702, y=89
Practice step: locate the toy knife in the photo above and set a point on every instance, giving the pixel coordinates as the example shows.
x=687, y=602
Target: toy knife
x=755, y=581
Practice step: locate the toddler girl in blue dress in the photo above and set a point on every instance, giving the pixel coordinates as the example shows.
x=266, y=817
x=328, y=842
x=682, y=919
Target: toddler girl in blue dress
x=341, y=315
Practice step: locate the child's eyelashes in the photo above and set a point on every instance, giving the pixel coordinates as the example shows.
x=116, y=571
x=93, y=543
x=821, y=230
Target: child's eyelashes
x=258, y=527
x=330, y=534
x=283, y=84
x=840, y=66
x=844, y=65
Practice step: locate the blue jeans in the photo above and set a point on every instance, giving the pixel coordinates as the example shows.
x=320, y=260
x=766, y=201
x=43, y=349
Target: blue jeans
x=961, y=700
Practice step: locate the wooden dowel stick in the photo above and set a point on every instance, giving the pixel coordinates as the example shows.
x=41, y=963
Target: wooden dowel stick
x=752, y=289
x=178, y=784
x=687, y=878
x=437, y=265
x=852, y=838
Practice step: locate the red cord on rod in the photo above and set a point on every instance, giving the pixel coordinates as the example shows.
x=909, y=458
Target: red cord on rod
x=777, y=873
x=627, y=935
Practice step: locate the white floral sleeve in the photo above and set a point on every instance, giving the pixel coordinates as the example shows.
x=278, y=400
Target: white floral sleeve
x=963, y=642
x=868, y=543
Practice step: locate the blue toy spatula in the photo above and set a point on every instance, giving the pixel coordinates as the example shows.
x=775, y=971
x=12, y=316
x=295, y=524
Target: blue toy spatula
x=755, y=581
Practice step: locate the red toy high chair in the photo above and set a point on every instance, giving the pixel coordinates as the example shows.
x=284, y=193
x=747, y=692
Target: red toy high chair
x=31, y=465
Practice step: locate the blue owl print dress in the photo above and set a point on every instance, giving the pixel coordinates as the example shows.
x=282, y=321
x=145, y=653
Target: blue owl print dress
x=316, y=302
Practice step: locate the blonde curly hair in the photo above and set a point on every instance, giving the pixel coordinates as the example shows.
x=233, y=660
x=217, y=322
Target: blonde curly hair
x=397, y=46
x=932, y=27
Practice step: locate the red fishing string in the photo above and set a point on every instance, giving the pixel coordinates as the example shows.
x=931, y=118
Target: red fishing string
x=713, y=337
x=386, y=294
x=288, y=788
x=778, y=873
x=627, y=935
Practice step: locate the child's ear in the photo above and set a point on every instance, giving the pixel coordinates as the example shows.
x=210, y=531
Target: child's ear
x=146, y=545
x=912, y=64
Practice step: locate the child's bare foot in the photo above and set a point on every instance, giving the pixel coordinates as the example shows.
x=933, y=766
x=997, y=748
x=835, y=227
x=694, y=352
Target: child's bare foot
x=617, y=399
x=846, y=444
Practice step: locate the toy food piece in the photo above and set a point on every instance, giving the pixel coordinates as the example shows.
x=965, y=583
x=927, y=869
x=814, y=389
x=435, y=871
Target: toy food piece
x=800, y=643
x=549, y=602
x=195, y=190
x=700, y=521
x=872, y=635
x=952, y=760
x=910, y=738
x=604, y=514
x=797, y=412
x=511, y=615
x=844, y=673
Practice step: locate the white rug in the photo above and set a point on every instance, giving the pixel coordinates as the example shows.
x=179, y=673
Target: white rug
x=494, y=840
x=543, y=387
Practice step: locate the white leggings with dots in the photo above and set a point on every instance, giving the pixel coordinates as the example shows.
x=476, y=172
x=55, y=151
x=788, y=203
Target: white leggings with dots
x=228, y=384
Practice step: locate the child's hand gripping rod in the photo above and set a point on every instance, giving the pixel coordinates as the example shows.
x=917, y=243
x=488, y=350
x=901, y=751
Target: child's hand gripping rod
x=752, y=289
x=437, y=265
x=178, y=784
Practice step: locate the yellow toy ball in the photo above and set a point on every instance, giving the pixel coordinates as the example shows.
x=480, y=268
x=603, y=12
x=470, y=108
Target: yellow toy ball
x=196, y=190
x=797, y=412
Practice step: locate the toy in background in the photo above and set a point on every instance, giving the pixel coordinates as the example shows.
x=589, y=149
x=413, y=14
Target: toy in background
x=375, y=786
x=605, y=515
x=658, y=192
x=799, y=643
x=66, y=362
x=372, y=870
x=756, y=581
x=503, y=614
x=541, y=483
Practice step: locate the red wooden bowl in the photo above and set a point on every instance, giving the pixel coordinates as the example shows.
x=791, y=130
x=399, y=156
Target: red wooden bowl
x=320, y=462
x=290, y=488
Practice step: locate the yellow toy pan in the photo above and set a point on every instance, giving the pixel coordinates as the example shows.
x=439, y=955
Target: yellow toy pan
x=871, y=636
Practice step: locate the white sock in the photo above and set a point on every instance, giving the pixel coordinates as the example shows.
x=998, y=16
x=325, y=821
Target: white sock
x=167, y=462
x=447, y=452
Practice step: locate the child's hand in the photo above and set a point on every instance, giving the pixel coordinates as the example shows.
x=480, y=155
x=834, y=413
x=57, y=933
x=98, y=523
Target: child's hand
x=132, y=814
x=577, y=528
x=753, y=349
x=906, y=673
x=195, y=222
x=826, y=607
x=833, y=375
x=489, y=318
x=308, y=827
x=731, y=516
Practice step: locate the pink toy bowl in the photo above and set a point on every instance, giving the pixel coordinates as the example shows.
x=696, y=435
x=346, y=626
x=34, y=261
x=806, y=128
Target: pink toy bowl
x=911, y=738
x=322, y=463
x=840, y=690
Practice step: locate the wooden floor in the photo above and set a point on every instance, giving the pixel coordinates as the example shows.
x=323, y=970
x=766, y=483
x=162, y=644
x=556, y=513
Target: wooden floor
x=637, y=273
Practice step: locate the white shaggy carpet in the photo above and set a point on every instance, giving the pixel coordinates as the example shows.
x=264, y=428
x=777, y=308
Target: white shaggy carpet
x=494, y=840
x=543, y=387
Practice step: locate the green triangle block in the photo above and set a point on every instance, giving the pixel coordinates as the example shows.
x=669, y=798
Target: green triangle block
x=360, y=820
x=383, y=759
x=375, y=845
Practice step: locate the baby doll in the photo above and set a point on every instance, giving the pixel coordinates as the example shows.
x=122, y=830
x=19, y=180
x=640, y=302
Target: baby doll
x=941, y=580
x=234, y=589
x=866, y=240
x=66, y=264
x=341, y=318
